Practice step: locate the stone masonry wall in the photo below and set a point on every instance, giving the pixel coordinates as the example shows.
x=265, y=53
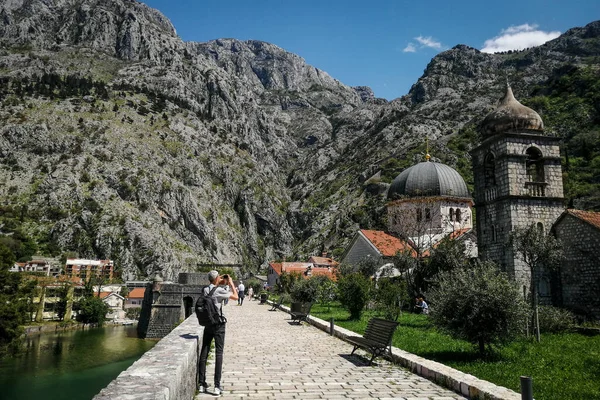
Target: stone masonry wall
x=166, y=372
x=580, y=269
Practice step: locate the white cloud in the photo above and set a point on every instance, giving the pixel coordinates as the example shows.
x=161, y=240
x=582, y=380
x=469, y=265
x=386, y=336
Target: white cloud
x=518, y=38
x=422, y=42
x=410, y=48
x=428, y=42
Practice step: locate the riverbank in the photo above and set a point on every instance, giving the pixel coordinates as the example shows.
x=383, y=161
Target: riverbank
x=56, y=326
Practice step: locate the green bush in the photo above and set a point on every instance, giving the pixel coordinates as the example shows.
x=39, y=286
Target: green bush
x=391, y=296
x=555, y=320
x=353, y=292
x=480, y=305
x=304, y=290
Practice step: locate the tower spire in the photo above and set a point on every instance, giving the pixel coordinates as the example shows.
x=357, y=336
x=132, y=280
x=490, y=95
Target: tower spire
x=427, y=156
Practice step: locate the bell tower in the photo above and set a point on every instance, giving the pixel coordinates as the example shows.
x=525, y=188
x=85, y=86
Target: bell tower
x=518, y=181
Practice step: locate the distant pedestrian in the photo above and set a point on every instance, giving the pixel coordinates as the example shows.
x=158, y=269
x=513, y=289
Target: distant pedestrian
x=216, y=332
x=250, y=293
x=240, y=289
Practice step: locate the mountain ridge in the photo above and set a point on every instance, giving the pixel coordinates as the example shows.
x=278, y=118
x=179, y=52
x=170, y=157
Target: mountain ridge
x=122, y=141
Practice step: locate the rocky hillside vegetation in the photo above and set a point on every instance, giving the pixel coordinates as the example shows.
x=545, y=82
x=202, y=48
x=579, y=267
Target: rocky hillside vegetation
x=119, y=140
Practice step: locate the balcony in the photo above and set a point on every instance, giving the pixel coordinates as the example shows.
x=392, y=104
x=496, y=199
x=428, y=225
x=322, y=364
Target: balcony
x=535, y=189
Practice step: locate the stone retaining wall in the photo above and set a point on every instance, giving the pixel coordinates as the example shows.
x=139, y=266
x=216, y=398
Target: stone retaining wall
x=166, y=372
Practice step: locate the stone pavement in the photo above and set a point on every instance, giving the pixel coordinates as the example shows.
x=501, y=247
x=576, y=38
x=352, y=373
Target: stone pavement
x=266, y=357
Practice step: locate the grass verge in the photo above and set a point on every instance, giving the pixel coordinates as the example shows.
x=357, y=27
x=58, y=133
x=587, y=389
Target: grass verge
x=563, y=366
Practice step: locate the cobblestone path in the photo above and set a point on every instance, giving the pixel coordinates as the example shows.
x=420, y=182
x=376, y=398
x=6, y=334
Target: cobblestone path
x=266, y=357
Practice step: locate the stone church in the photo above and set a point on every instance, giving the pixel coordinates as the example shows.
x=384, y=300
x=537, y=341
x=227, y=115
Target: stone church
x=518, y=183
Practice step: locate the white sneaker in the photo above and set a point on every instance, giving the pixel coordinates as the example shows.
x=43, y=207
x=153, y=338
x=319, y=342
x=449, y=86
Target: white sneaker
x=203, y=389
x=218, y=391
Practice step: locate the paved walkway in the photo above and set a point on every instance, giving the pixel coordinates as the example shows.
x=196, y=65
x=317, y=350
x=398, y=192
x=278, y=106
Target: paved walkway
x=266, y=357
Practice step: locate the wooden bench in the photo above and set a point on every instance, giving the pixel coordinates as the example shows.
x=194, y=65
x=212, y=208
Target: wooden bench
x=377, y=338
x=302, y=313
x=275, y=306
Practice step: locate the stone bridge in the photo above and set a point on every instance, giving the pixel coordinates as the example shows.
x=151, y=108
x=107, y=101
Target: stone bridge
x=267, y=357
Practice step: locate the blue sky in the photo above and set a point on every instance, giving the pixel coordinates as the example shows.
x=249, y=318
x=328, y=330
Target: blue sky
x=384, y=44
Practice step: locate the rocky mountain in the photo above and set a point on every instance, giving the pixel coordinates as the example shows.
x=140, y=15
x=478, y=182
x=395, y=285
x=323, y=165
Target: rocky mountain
x=119, y=140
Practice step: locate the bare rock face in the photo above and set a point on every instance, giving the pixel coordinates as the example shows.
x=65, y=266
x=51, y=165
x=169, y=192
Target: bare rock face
x=118, y=140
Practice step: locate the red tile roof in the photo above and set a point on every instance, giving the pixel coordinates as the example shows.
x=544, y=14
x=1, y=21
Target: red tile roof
x=323, y=261
x=387, y=245
x=590, y=217
x=301, y=268
x=137, y=293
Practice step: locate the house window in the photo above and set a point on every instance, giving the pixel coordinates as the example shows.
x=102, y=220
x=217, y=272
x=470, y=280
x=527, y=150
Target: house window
x=535, y=165
x=427, y=214
x=489, y=170
x=493, y=233
x=457, y=216
x=419, y=215
x=452, y=214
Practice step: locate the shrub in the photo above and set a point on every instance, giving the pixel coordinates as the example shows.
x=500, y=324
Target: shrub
x=304, y=290
x=555, y=320
x=390, y=297
x=326, y=291
x=480, y=305
x=353, y=293
x=287, y=281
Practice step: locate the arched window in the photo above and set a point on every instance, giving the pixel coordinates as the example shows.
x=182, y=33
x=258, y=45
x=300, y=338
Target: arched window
x=427, y=214
x=457, y=216
x=452, y=214
x=535, y=165
x=540, y=227
x=493, y=232
x=419, y=215
x=489, y=170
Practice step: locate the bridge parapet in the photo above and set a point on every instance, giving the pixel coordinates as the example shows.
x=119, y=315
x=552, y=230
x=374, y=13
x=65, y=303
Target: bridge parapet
x=168, y=371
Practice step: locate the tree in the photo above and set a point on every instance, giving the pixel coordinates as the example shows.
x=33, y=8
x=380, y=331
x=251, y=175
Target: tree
x=326, y=292
x=478, y=304
x=353, y=292
x=538, y=251
x=390, y=297
x=448, y=255
x=92, y=310
x=286, y=281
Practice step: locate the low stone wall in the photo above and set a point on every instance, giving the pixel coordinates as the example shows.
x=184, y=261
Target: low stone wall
x=166, y=372
x=460, y=382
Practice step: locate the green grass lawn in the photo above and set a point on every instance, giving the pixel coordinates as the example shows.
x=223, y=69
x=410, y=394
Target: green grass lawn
x=563, y=366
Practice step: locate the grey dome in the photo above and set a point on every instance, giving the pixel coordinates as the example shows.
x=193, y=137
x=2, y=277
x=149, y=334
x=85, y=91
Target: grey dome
x=511, y=116
x=428, y=179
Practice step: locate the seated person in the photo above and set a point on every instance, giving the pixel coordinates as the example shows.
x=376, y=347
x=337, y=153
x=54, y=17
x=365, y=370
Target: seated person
x=421, y=306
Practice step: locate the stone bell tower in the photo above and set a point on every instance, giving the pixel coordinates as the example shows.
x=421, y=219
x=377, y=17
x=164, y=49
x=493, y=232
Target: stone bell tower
x=518, y=182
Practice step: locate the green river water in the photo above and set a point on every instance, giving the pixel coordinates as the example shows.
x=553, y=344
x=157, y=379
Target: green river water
x=73, y=365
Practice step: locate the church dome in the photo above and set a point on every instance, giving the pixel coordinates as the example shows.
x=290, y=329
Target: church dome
x=428, y=179
x=511, y=116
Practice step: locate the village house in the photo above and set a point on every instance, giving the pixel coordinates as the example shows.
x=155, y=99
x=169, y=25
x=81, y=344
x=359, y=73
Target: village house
x=134, y=298
x=115, y=303
x=40, y=265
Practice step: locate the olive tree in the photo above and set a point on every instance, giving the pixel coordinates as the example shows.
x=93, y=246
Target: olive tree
x=478, y=304
x=537, y=250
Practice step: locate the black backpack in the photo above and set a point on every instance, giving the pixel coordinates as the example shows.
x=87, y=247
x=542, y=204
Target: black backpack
x=207, y=311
